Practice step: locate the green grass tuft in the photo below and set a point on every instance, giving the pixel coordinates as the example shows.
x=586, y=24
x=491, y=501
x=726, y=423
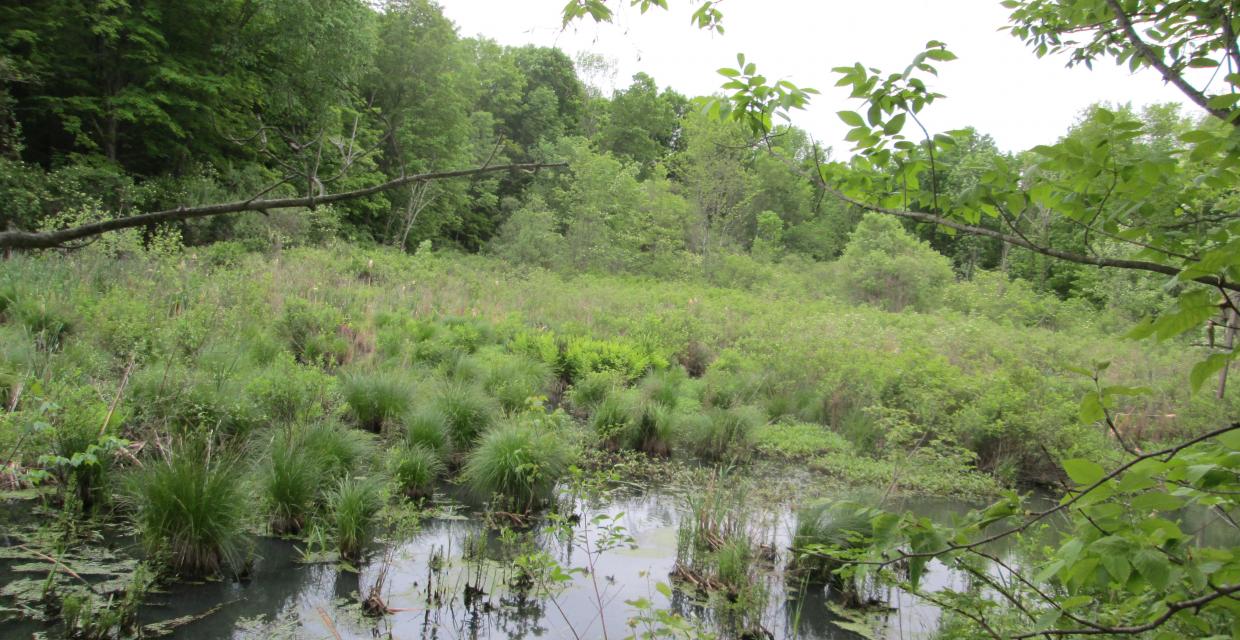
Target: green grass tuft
x=377, y=398
x=415, y=469
x=190, y=511
x=467, y=410
x=520, y=463
x=354, y=505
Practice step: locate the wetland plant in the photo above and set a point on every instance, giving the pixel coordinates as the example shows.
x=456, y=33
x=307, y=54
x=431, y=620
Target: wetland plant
x=353, y=509
x=519, y=462
x=376, y=398
x=824, y=532
x=190, y=509
x=722, y=434
x=513, y=380
x=290, y=481
x=427, y=428
x=467, y=410
x=340, y=451
x=415, y=469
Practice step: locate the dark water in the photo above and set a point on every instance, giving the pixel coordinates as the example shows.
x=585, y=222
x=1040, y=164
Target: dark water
x=436, y=566
x=290, y=599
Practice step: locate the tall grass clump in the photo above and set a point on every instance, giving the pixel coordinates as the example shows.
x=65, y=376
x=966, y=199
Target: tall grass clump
x=467, y=410
x=340, y=451
x=376, y=398
x=190, y=510
x=47, y=320
x=520, y=463
x=353, y=510
x=513, y=380
x=586, y=394
x=415, y=469
x=722, y=434
x=614, y=420
x=427, y=428
x=823, y=531
x=290, y=481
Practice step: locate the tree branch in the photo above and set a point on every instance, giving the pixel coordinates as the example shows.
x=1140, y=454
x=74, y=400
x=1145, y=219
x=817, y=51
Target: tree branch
x=58, y=238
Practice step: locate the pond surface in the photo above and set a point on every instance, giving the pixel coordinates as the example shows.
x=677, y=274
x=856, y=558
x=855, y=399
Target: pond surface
x=452, y=577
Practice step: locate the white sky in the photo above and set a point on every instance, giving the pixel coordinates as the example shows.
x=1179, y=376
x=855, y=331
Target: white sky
x=996, y=85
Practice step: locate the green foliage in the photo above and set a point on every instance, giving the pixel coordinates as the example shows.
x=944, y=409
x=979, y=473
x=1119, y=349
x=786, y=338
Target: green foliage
x=313, y=332
x=583, y=356
x=290, y=481
x=428, y=428
x=415, y=469
x=518, y=461
x=467, y=410
x=191, y=510
x=885, y=266
x=340, y=450
x=377, y=398
x=353, y=507
x=513, y=380
x=723, y=434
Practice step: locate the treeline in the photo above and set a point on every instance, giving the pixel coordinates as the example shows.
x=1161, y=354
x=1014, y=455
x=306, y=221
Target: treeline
x=112, y=108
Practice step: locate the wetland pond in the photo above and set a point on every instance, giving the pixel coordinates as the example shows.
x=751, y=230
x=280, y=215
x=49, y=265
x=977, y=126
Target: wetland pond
x=453, y=576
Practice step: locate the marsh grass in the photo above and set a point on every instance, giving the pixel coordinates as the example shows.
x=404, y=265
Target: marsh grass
x=722, y=434
x=190, y=510
x=427, y=428
x=825, y=533
x=341, y=451
x=353, y=509
x=467, y=410
x=585, y=396
x=377, y=398
x=513, y=380
x=518, y=462
x=291, y=480
x=415, y=469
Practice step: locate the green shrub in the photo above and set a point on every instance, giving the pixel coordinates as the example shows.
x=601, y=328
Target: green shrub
x=886, y=266
x=171, y=396
x=415, y=469
x=190, y=510
x=723, y=434
x=47, y=320
x=582, y=356
x=313, y=332
x=467, y=410
x=615, y=419
x=353, y=508
x=376, y=398
x=289, y=392
x=518, y=462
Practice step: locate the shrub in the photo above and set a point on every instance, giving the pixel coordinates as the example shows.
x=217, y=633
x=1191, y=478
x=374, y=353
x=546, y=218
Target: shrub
x=614, y=420
x=886, y=266
x=520, y=463
x=288, y=392
x=81, y=443
x=47, y=320
x=582, y=356
x=467, y=412
x=190, y=511
x=354, y=506
x=376, y=398
x=171, y=396
x=415, y=469
x=313, y=333
x=588, y=393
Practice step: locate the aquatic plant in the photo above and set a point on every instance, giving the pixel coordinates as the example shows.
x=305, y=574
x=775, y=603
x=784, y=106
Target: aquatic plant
x=826, y=530
x=513, y=380
x=467, y=410
x=519, y=462
x=414, y=469
x=190, y=509
x=586, y=394
x=353, y=507
x=427, y=428
x=722, y=434
x=290, y=479
x=340, y=450
x=376, y=398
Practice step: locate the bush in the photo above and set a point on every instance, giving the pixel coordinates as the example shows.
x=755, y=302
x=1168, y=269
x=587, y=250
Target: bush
x=47, y=320
x=583, y=356
x=415, y=469
x=354, y=506
x=288, y=392
x=376, y=398
x=190, y=510
x=591, y=390
x=313, y=333
x=886, y=266
x=520, y=463
x=467, y=410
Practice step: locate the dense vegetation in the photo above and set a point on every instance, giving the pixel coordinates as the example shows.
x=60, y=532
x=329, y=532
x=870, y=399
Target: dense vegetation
x=660, y=275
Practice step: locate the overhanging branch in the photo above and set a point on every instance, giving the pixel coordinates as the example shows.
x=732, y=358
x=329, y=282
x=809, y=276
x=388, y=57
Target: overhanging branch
x=59, y=237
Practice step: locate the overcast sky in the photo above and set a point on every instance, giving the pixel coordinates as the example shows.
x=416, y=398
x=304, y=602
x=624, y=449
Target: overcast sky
x=997, y=85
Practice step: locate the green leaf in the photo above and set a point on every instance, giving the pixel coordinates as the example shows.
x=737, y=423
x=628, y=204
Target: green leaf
x=1157, y=501
x=851, y=118
x=1208, y=367
x=1091, y=409
x=894, y=125
x=1083, y=471
x=1153, y=566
